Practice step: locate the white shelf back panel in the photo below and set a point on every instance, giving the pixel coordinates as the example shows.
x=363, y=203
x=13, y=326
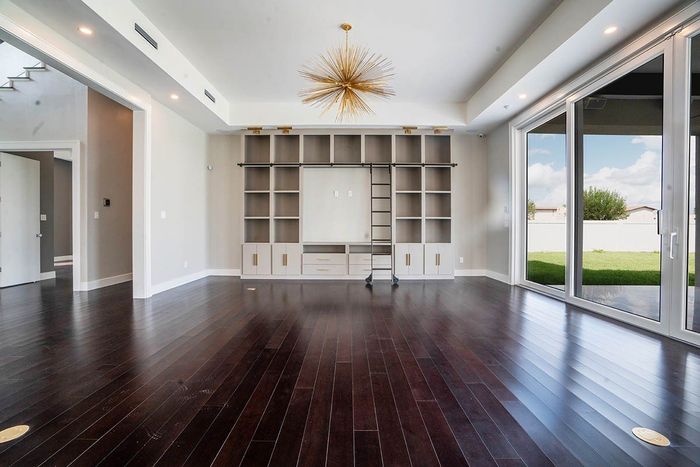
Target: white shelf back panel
x=342, y=219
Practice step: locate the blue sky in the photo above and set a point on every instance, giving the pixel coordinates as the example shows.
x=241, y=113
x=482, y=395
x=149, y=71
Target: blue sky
x=630, y=165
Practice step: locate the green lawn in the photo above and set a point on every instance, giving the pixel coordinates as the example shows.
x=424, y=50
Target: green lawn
x=601, y=268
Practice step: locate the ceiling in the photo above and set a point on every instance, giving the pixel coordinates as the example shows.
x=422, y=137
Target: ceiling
x=442, y=51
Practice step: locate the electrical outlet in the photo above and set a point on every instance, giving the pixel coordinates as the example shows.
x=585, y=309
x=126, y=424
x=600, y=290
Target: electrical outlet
x=97, y=214
x=43, y=217
x=461, y=260
x=336, y=193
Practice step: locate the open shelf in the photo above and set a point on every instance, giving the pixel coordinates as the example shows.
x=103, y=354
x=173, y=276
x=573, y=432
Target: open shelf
x=286, y=204
x=438, y=231
x=408, y=205
x=324, y=248
x=317, y=148
x=408, y=178
x=437, y=179
x=257, y=178
x=286, y=148
x=286, y=230
x=408, y=149
x=257, y=148
x=408, y=231
x=286, y=178
x=437, y=149
x=256, y=205
x=378, y=148
x=347, y=149
x=257, y=231
x=438, y=205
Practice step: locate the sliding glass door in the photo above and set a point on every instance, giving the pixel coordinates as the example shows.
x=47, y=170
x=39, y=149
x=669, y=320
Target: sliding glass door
x=618, y=173
x=607, y=191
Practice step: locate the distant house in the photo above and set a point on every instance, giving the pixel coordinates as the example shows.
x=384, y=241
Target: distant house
x=550, y=214
x=641, y=214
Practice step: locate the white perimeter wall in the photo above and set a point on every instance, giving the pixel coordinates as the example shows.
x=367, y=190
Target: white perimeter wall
x=598, y=235
x=179, y=188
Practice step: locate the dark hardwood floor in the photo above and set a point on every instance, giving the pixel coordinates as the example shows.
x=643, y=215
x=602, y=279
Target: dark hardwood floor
x=464, y=372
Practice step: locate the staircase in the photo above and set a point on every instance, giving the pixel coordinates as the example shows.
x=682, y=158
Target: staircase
x=381, y=233
x=24, y=75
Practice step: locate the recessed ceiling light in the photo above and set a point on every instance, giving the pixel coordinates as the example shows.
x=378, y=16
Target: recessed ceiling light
x=522, y=96
x=174, y=97
x=85, y=30
x=610, y=30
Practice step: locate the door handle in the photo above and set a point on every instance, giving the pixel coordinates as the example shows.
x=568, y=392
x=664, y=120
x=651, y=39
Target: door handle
x=671, y=253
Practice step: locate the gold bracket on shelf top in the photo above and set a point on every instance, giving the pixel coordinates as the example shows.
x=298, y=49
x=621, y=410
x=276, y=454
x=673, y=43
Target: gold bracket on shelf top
x=407, y=130
x=438, y=130
x=284, y=129
x=255, y=129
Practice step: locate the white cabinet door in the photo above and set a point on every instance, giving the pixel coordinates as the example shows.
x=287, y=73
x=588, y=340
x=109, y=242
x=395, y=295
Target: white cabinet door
x=446, y=260
x=249, y=259
x=293, y=259
x=404, y=259
x=416, y=259
x=432, y=259
x=264, y=266
x=286, y=259
x=279, y=259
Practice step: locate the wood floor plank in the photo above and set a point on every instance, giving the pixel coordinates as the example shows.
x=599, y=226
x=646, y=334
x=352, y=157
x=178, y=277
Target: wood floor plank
x=333, y=373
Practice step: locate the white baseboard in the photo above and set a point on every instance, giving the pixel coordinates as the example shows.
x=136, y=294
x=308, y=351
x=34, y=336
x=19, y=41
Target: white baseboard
x=484, y=273
x=61, y=259
x=178, y=281
x=224, y=272
x=47, y=275
x=106, y=282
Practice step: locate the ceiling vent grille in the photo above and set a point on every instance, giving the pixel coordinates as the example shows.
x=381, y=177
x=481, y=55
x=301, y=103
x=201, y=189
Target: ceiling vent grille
x=209, y=95
x=146, y=36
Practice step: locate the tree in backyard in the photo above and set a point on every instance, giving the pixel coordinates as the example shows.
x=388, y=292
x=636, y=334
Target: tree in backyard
x=603, y=205
x=531, y=210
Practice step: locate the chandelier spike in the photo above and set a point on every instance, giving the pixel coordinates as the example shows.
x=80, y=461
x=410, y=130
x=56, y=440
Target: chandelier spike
x=343, y=75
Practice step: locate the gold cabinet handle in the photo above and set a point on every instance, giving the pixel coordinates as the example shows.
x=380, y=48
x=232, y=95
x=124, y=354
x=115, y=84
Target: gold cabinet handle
x=255, y=259
x=284, y=259
x=437, y=259
x=408, y=259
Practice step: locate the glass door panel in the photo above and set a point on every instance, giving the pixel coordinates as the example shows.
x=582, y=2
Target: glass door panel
x=618, y=190
x=692, y=315
x=546, y=203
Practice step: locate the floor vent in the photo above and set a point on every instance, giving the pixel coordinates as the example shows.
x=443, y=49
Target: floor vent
x=146, y=36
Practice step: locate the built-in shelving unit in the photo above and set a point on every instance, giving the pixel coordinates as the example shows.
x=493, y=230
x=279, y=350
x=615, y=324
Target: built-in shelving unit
x=413, y=208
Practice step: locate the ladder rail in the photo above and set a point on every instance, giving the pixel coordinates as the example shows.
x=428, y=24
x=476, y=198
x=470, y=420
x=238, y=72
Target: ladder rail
x=376, y=241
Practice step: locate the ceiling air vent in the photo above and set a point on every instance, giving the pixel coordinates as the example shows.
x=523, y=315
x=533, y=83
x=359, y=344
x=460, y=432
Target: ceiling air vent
x=208, y=94
x=145, y=35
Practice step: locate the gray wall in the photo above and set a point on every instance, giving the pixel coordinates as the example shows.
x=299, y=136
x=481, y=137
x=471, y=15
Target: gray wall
x=62, y=208
x=46, y=202
x=499, y=209
x=179, y=189
x=109, y=167
x=224, y=185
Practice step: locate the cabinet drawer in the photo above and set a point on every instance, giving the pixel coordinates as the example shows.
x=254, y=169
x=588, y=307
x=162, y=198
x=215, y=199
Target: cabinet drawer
x=325, y=270
x=366, y=259
x=364, y=271
x=324, y=258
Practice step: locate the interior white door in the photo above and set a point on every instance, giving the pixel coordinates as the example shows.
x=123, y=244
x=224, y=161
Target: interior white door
x=20, y=256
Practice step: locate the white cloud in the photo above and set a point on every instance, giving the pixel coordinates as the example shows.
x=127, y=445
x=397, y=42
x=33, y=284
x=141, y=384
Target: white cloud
x=546, y=185
x=651, y=143
x=534, y=151
x=639, y=183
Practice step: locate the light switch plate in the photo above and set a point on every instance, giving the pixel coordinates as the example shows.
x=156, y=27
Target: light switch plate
x=97, y=214
x=336, y=193
x=349, y=193
x=163, y=214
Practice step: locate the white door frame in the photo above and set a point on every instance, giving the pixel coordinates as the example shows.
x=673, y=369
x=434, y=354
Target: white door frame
x=56, y=51
x=79, y=215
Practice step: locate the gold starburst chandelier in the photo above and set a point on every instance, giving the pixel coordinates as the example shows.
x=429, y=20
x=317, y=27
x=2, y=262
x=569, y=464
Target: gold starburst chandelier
x=343, y=75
